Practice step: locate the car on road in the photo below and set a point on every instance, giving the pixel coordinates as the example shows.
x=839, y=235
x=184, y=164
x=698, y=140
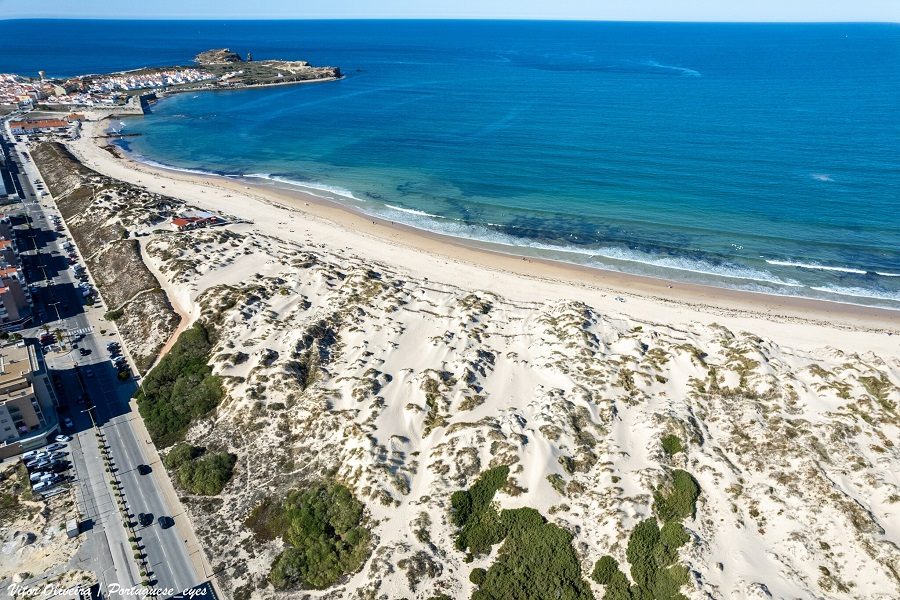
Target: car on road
x=165, y=522
x=145, y=519
x=144, y=469
x=83, y=351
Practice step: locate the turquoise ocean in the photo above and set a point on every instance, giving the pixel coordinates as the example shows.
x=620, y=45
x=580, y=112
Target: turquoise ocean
x=756, y=157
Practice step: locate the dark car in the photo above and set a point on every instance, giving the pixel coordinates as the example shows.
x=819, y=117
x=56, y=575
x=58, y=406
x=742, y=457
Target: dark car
x=83, y=351
x=166, y=522
x=146, y=519
x=144, y=469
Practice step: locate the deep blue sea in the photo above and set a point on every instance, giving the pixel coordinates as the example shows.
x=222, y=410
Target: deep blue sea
x=759, y=157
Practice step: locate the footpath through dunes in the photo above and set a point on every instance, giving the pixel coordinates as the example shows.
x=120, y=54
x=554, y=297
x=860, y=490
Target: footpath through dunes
x=107, y=218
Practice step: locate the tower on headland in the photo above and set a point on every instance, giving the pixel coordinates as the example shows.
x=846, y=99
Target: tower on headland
x=43, y=75
x=249, y=57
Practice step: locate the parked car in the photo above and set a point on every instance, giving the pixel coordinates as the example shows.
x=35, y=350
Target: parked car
x=59, y=445
x=83, y=351
x=42, y=486
x=68, y=422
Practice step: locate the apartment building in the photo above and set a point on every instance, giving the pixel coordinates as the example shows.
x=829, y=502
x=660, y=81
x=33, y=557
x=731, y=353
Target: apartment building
x=27, y=401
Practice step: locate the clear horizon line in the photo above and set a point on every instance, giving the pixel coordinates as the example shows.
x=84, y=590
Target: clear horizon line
x=422, y=18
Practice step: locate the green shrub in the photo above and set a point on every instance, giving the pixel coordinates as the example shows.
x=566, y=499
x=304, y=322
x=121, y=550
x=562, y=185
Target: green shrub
x=181, y=388
x=198, y=471
x=181, y=454
x=640, y=552
x=672, y=444
x=604, y=570
x=652, y=551
x=536, y=561
x=678, y=500
x=479, y=523
x=324, y=530
x=115, y=314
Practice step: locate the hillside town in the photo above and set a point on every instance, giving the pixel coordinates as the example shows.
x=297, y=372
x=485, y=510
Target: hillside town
x=91, y=90
x=216, y=69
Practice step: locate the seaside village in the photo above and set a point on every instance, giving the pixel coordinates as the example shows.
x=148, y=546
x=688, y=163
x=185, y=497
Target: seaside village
x=90, y=91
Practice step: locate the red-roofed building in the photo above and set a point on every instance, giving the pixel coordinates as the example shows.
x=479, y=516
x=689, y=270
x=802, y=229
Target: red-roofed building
x=185, y=223
x=35, y=126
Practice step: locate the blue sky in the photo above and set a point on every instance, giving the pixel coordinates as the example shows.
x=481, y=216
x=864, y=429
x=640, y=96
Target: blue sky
x=658, y=10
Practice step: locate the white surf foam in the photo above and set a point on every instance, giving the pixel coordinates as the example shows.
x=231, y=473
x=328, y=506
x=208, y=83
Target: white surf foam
x=857, y=292
x=412, y=211
x=815, y=266
x=683, y=70
x=306, y=185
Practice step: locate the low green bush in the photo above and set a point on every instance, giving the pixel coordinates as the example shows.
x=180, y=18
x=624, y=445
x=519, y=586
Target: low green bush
x=115, y=314
x=479, y=523
x=652, y=552
x=325, y=534
x=536, y=561
x=671, y=444
x=677, y=500
x=181, y=388
x=198, y=471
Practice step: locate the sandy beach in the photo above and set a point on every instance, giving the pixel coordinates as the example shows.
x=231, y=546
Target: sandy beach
x=804, y=322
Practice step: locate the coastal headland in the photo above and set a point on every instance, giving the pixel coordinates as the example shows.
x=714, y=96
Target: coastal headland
x=129, y=92
x=399, y=374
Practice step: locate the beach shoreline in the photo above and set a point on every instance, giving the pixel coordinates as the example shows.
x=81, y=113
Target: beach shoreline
x=461, y=262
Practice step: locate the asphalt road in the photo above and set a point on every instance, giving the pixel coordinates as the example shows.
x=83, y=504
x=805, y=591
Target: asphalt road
x=59, y=303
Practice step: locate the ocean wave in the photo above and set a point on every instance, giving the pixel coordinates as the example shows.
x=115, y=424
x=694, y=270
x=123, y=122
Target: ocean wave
x=306, y=185
x=683, y=70
x=883, y=274
x=858, y=292
x=815, y=266
x=821, y=177
x=152, y=163
x=412, y=211
x=586, y=255
x=699, y=266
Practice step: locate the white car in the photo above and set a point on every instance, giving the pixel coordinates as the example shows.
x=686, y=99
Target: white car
x=63, y=438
